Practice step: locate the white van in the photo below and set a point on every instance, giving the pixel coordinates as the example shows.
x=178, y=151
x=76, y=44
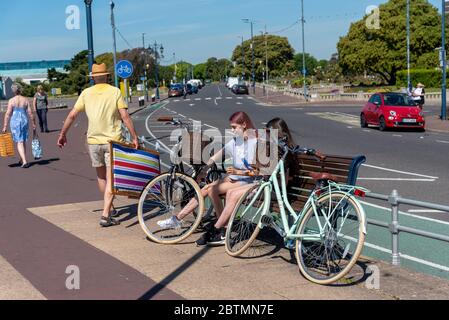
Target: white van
x=231, y=82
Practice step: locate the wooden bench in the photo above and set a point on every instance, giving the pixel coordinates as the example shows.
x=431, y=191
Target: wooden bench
x=299, y=187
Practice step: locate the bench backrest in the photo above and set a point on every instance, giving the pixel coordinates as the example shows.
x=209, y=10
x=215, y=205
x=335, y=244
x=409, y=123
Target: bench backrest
x=345, y=169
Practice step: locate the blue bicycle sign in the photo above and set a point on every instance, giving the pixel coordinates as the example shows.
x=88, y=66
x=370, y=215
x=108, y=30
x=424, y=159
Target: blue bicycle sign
x=124, y=69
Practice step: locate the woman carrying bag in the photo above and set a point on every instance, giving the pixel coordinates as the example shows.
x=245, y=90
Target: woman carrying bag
x=18, y=112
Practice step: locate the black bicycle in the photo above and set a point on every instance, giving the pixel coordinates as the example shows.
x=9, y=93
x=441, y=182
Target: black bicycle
x=166, y=194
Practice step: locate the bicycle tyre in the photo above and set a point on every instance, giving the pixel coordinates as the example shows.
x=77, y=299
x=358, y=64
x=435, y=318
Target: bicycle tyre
x=308, y=251
x=152, y=199
x=241, y=234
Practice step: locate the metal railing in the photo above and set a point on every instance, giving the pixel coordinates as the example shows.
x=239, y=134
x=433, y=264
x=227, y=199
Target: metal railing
x=395, y=228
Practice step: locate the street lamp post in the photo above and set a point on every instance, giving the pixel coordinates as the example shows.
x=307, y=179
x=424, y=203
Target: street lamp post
x=409, y=83
x=90, y=41
x=114, y=42
x=252, y=54
x=443, y=56
x=303, y=52
x=243, y=60
x=157, y=48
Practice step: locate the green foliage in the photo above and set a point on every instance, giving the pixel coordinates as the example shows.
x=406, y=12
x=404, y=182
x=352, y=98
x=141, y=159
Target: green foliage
x=430, y=78
x=278, y=51
x=312, y=63
x=383, y=51
x=199, y=71
x=217, y=69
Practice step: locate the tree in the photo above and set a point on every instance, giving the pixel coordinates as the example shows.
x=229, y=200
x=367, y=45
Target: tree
x=217, y=69
x=199, y=71
x=311, y=63
x=279, y=53
x=383, y=51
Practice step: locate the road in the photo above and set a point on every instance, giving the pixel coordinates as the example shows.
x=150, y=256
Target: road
x=414, y=163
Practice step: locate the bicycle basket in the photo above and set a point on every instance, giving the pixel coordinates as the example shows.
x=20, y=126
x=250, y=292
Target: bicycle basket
x=192, y=147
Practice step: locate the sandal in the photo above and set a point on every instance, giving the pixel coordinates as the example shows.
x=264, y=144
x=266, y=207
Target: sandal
x=108, y=222
x=26, y=165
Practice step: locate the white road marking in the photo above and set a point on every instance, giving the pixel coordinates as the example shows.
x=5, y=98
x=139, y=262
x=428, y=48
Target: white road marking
x=298, y=109
x=228, y=98
x=197, y=99
x=349, y=127
x=442, y=141
x=397, y=179
x=406, y=214
x=218, y=98
x=238, y=103
x=366, y=130
x=191, y=104
x=240, y=98
x=397, y=135
x=208, y=98
x=405, y=256
x=425, y=211
x=397, y=171
x=209, y=126
x=176, y=100
x=219, y=91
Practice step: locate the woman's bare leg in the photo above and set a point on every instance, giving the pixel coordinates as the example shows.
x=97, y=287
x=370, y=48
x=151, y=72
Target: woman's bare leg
x=22, y=152
x=232, y=197
x=193, y=203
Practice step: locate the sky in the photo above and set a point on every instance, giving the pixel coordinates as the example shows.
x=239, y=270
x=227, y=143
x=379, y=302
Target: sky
x=194, y=30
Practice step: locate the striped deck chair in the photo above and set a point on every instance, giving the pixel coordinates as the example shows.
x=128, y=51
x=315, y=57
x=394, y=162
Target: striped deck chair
x=132, y=169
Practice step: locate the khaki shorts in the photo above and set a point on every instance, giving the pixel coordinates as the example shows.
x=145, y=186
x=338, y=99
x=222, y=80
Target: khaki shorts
x=100, y=155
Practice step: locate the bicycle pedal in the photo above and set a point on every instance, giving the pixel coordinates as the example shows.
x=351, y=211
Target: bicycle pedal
x=267, y=220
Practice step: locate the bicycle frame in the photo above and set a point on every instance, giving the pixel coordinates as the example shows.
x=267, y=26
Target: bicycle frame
x=287, y=231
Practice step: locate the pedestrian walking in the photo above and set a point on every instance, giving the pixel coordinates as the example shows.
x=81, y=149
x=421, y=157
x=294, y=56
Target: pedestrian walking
x=418, y=95
x=105, y=108
x=40, y=104
x=19, y=111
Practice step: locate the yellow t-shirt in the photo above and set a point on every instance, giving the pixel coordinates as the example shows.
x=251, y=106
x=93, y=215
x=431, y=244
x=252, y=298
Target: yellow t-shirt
x=101, y=104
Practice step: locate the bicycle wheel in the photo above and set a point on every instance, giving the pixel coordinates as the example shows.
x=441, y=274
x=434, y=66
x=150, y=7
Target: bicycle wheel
x=164, y=197
x=327, y=256
x=243, y=226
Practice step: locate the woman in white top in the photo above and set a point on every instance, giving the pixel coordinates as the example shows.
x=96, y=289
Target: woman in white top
x=242, y=150
x=418, y=95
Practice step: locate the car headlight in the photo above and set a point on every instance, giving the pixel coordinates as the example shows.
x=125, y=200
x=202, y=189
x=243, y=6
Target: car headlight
x=393, y=113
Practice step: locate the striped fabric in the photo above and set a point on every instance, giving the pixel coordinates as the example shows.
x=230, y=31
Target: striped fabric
x=132, y=169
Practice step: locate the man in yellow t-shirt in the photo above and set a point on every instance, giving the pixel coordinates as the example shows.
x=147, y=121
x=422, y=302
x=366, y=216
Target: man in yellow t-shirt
x=105, y=109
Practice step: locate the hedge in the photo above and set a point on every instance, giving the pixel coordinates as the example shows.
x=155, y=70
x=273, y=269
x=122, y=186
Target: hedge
x=430, y=78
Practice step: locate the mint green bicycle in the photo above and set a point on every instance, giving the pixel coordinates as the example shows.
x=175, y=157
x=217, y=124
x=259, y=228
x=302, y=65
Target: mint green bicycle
x=329, y=232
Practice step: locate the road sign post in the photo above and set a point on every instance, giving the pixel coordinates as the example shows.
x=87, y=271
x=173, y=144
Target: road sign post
x=124, y=69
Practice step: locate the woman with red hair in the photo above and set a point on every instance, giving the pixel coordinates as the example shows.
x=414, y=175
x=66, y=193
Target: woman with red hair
x=242, y=150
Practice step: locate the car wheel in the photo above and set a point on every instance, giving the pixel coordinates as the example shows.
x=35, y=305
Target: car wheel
x=382, y=124
x=363, y=122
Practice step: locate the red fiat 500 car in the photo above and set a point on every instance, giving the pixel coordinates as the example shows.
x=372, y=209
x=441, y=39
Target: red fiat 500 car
x=392, y=110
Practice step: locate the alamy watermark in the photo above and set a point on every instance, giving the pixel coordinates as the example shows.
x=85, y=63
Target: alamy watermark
x=73, y=280
x=372, y=22
x=73, y=20
x=373, y=280
x=197, y=145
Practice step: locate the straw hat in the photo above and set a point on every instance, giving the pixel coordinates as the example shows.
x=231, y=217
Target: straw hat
x=99, y=70
x=420, y=85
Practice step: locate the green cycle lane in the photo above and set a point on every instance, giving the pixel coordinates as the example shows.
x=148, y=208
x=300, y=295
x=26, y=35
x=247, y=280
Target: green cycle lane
x=417, y=253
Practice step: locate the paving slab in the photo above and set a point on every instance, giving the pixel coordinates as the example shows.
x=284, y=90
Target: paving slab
x=13, y=286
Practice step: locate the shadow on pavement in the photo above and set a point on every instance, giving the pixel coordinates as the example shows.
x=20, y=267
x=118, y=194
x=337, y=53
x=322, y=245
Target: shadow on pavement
x=172, y=276
x=35, y=163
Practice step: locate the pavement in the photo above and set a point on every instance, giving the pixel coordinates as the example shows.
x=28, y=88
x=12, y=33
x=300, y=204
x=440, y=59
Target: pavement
x=49, y=221
x=270, y=98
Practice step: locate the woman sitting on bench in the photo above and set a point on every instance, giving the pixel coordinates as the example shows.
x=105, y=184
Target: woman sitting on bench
x=242, y=150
